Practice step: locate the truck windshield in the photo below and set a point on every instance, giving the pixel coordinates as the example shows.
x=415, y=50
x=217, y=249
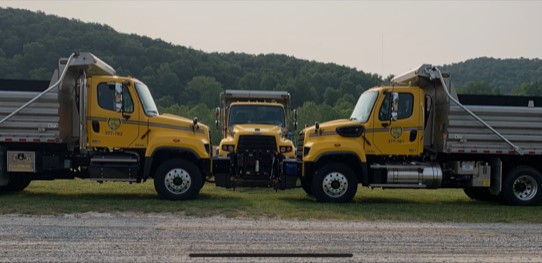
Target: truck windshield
x=146, y=99
x=363, y=108
x=258, y=114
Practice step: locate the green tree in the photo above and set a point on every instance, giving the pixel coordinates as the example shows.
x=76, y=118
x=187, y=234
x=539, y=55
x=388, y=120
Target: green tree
x=311, y=112
x=345, y=106
x=165, y=101
x=202, y=89
x=331, y=96
x=250, y=81
x=477, y=87
x=528, y=89
x=167, y=81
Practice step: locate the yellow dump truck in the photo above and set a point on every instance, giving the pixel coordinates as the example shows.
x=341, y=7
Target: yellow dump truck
x=417, y=133
x=89, y=123
x=255, y=149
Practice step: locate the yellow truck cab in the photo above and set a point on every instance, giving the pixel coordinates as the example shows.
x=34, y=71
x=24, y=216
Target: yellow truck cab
x=255, y=145
x=90, y=123
x=417, y=133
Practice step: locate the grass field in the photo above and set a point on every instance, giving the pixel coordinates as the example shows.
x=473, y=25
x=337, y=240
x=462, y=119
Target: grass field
x=79, y=196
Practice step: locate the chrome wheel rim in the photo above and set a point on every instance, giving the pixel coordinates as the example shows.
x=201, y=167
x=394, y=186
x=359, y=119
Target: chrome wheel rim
x=178, y=181
x=525, y=188
x=335, y=184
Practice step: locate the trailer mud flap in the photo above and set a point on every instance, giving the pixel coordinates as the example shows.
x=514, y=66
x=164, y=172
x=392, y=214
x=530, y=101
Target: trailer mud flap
x=4, y=179
x=496, y=176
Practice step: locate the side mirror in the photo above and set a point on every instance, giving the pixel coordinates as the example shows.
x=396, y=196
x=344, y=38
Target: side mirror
x=217, y=117
x=195, y=125
x=289, y=135
x=295, y=119
x=317, y=128
x=118, y=97
x=394, y=105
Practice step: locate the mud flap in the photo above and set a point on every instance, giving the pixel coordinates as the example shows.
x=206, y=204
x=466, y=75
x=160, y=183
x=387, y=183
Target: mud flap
x=290, y=171
x=4, y=179
x=222, y=172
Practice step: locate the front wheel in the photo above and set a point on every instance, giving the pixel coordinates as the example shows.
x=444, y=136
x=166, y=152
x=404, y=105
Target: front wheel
x=334, y=183
x=306, y=185
x=178, y=179
x=522, y=186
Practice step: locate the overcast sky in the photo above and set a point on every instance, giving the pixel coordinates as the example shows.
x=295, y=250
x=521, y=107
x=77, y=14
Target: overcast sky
x=383, y=37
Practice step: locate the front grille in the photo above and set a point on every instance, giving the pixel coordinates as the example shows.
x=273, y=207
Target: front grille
x=300, y=142
x=256, y=143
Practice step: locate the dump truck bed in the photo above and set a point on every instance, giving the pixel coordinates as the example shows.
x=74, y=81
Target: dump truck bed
x=39, y=122
x=520, y=121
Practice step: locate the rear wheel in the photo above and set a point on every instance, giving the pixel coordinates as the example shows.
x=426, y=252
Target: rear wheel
x=335, y=183
x=522, y=186
x=16, y=184
x=178, y=179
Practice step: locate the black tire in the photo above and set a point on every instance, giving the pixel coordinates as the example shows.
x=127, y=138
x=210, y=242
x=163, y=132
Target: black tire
x=480, y=194
x=177, y=179
x=306, y=185
x=334, y=183
x=522, y=186
x=16, y=184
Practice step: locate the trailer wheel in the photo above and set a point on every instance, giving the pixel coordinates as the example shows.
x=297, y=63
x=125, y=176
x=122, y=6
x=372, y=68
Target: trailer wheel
x=522, y=186
x=335, y=183
x=306, y=185
x=16, y=184
x=177, y=179
x=480, y=194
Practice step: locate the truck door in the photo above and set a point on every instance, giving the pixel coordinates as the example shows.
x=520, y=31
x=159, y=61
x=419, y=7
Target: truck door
x=112, y=117
x=403, y=136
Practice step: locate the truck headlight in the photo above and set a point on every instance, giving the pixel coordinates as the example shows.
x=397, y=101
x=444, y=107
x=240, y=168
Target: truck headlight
x=350, y=131
x=228, y=147
x=285, y=149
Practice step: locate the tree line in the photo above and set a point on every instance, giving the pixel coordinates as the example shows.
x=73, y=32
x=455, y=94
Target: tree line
x=497, y=76
x=188, y=82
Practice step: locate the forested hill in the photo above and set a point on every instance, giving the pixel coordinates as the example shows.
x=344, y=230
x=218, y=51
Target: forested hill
x=187, y=82
x=31, y=43
x=497, y=76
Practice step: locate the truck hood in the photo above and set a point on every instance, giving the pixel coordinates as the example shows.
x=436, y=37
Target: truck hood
x=332, y=125
x=175, y=122
x=257, y=129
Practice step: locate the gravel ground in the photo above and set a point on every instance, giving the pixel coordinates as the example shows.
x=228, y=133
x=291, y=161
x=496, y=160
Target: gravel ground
x=92, y=237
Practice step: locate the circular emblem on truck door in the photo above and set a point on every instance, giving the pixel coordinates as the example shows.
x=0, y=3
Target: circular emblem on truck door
x=113, y=124
x=396, y=132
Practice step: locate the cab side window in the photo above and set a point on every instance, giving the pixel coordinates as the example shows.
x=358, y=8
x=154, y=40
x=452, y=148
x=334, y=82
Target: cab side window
x=406, y=105
x=107, y=99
